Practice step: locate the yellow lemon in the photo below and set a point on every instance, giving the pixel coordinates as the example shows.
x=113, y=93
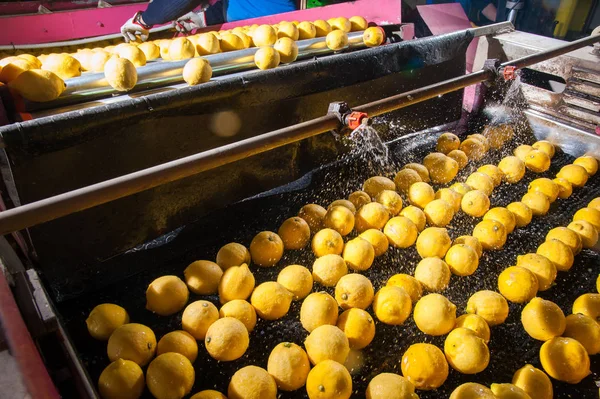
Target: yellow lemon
x=226, y=339
x=151, y=50
x=377, y=239
x=241, y=310
x=180, y=342
x=462, y=260
x=433, y=273
x=63, y=65
x=537, y=202
x=461, y=188
x=589, y=215
x=420, y=169
x=122, y=379
x=518, y=284
x=132, y=341
x=543, y=319
x=271, y=300
x=420, y=194
x=373, y=185
x=166, y=295
x=327, y=241
x=598, y=284
x=590, y=164
x=313, y=214
x=209, y=393
x=357, y=23
x=104, y=319
x=502, y=215
x=558, y=253
x=391, y=200
x=266, y=57
x=246, y=40
x=499, y=134
x=359, y=327
x=595, y=203
x=306, y=30
x=38, y=85
x=232, y=254
x=120, y=73
x=288, y=364
x=328, y=269
x=264, y=35
x=475, y=323
x=451, y=197
x=133, y=54
x=415, y=215
x=390, y=386
x=565, y=359
x=512, y=168
x=392, y=305
x=85, y=58
x=355, y=361
x=460, y=157
x=442, y=169
x=287, y=30
x=358, y=254
x=544, y=146
x=574, y=174
x=329, y=380
x=567, y=237
x=537, y=161
x=534, y=382
x=471, y=242
x=236, y=283
x=474, y=149
x=565, y=188
x=181, y=49
x=322, y=27
x=196, y=71
x=359, y=198
x=491, y=234
x=405, y=178
x=336, y=40
x=475, y=203
x=542, y=267
x=344, y=203
x=466, y=352
x=439, y=213
x=508, y=391
x=252, y=382
x=425, y=366
x=521, y=212
x=206, y=44
x=294, y=233
x=197, y=317
x=493, y=172
x=287, y=49
x=447, y=142
x=435, y=315
x=472, y=390
x=433, y=241
x=318, y=309
x=401, y=232
x=589, y=305
x=587, y=232
x=585, y=330
x=340, y=23
x=202, y=277
x=546, y=187
x=33, y=60
x=480, y=181
x=408, y=283
x=354, y=291
x=327, y=343
x=297, y=280
x=490, y=305
x=266, y=249
x=371, y=216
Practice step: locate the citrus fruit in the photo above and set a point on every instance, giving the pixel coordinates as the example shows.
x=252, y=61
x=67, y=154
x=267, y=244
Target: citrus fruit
x=565, y=359
x=294, y=233
x=322, y=27
x=491, y=234
x=466, y=352
x=447, y=142
x=475, y=323
x=439, y=213
x=420, y=194
x=537, y=161
x=313, y=214
x=595, y=203
x=537, y=202
x=166, y=295
x=392, y=305
x=433, y=274
x=209, y=393
x=357, y=23
x=558, y=253
x=180, y=342
x=435, y=315
x=329, y=380
x=359, y=327
x=460, y=157
x=132, y=341
x=433, y=241
x=266, y=249
x=400, y=232
x=237, y=283
x=202, y=277
x=287, y=30
x=359, y=198
x=241, y=310
x=587, y=232
x=472, y=390
x=408, y=283
x=475, y=203
x=415, y=215
x=480, y=181
x=344, y=203
x=490, y=305
x=522, y=151
x=288, y=364
x=546, y=187
x=371, y=216
x=405, y=178
x=297, y=280
x=98, y=60
x=104, y=319
x=574, y=174
x=474, y=149
x=534, y=382
x=336, y=40
x=521, y=212
x=264, y=35
x=133, y=54
x=543, y=319
x=544, y=146
x=391, y=200
x=226, y=339
x=306, y=30
x=390, y=386
x=207, y=44
x=517, y=284
x=196, y=71
x=590, y=164
x=493, y=172
x=589, y=305
x=450, y=196
x=585, y=330
x=340, y=23
x=442, y=169
x=354, y=291
x=122, y=379
x=542, y=267
x=63, y=65
x=232, y=254
x=252, y=382
x=425, y=366
x=328, y=269
x=271, y=300
x=512, y=168
x=120, y=73
x=38, y=85
x=565, y=188
x=589, y=215
x=287, y=49
x=266, y=57
x=471, y=242
x=197, y=317
x=181, y=48
x=462, y=260
x=420, y=169
x=358, y=254
x=373, y=185
x=567, y=237
x=502, y=215
x=508, y=391
x=499, y=134
x=377, y=239
x=327, y=342
x=319, y=308
x=373, y=36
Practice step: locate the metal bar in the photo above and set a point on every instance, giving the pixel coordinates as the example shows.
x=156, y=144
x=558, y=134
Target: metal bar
x=493, y=29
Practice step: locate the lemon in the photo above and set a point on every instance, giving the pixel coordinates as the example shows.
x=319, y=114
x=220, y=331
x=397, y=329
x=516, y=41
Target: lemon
x=472, y=390
x=420, y=169
x=462, y=260
x=491, y=234
x=405, y=178
x=521, y=212
x=85, y=59
x=306, y=30
x=447, y=142
x=328, y=269
x=565, y=359
x=336, y=40
x=246, y=40
x=266, y=249
x=287, y=30
x=359, y=198
x=587, y=232
x=474, y=149
x=252, y=382
x=209, y=393
x=237, y=283
x=567, y=237
x=196, y=71
x=391, y=200
x=297, y=280
x=226, y=339
x=401, y=232
x=197, y=317
x=294, y=233
x=104, y=319
x=460, y=157
x=322, y=27
x=132, y=341
x=512, y=168
x=534, y=382
x=133, y=54
x=499, y=134
x=508, y=391
x=287, y=49
x=181, y=48
x=537, y=202
x=589, y=305
x=63, y=65
x=565, y=188
x=585, y=330
x=345, y=203
x=151, y=51
x=359, y=327
x=546, y=187
x=359, y=254
x=207, y=43
x=558, y=253
x=120, y=74
x=313, y=214
x=377, y=239
x=327, y=241
x=590, y=215
x=435, y=315
x=595, y=203
x=340, y=23
x=202, y=277
x=543, y=319
x=241, y=310
x=318, y=309
x=329, y=380
x=33, y=60
x=420, y=194
x=166, y=295
x=371, y=216
x=14, y=69
x=433, y=241
x=327, y=342
x=425, y=366
x=504, y=216
x=475, y=203
x=390, y=386
x=486, y=138
x=357, y=23
x=99, y=60
x=490, y=305
x=480, y=181
x=439, y=213
x=408, y=283
x=266, y=58
x=590, y=164
x=288, y=364
x=537, y=161
x=341, y=219
x=493, y=172
x=232, y=254
x=180, y=342
x=271, y=300
x=355, y=361
x=517, y=284
x=122, y=379
x=542, y=267
x=471, y=242
x=392, y=305
x=442, y=169
x=451, y=197
x=522, y=151
x=544, y=146
x=354, y=291
x=475, y=323
x=466, y=352
x=38, y=85
x=598, y=284
x=415, y=215
x=433, y=274
x=373, y=185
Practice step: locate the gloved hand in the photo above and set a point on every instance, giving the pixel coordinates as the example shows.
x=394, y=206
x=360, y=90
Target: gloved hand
x=135, y=27
x=190, y=21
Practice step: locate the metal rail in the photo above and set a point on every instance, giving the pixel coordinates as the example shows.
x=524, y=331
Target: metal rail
x=84, y=198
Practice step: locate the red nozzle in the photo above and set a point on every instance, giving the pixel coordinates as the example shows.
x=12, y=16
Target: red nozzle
x=509, y=73
x=354, y=119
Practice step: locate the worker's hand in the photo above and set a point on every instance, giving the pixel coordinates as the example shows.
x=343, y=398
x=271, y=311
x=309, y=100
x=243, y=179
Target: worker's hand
x=135, y=27
x=190, y=21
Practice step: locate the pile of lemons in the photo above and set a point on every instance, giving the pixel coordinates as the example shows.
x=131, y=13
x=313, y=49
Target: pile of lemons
x=339, y=326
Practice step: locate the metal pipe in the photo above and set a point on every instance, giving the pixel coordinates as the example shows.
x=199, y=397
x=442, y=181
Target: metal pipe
x=84, y=198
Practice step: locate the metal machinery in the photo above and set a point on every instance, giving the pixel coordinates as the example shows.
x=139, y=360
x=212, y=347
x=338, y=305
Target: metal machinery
x=166, y=177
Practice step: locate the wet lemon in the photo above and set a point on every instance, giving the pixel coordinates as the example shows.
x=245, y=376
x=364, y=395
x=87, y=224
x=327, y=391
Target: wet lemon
x=180, y=342
x=420, y=169
x=344, y=203
x=313, y=214
x=595, y=203
x=297, y=280
x=328, y=269
x=484, y=138
x=534, y=382
x=166, y=295
x=319, y=308
x=354, y=291
x=327, y=343
x=447, y=142
x=537, y=202
x=226, y=339
x=415, y=215
x=490, y=305
x=329, y=380
x=542, y=267
x=433, y=241
x=271, y=300
x=435, y=315
x=209, y=393
x=241, y=310
x=104, y=319
x=252, y=382
x=451, y=197
x=598, y=284
x=491, y=234
x=401, y=232
x=391, y=200
x=266, y=249
x=460, y=157
x=565, y=359
x=473, y=148
x=420, y=194
x=518, y=284
x=502, y=215
x=512, y=168
x=493, y=172
x=589, y=305
x=574, y=174
x=197, y=317
x=471, y=242
x=433, y=273
x=371, y=216
x=405, y=178
x=544, y=146
x=294, y=232
x=472, y=390
x=355, y=361
x=359, y=327
x=480, y=181
x=521, y=212
x=565, y=188
x=476, y=324
x=375, y=184
x=336, y=40
x=558, y=253
x=466, y=352
x=202, y=277
x=377, y=239
x=499, y=134
x=237, y=283
x=439, y=213
x=546, y=187
x=122, y=379
x=590, y=215
x=341, y=219
x=425, y=366
x=508, y=391
x=543, y=319
x=359, y=198
x=288, y=364
x=358, y=254
x=537, y=161
x=327, y=241
x=408, y=283
x=522, y=151
x=132, y=341
x=475, y=203
x=232, y=254
x=567, y=237
x=392, y=305
x=390, y=386
x=587, y=232
x=462, y=260
x=442, y=169
x=585, y=330
x=590, y=164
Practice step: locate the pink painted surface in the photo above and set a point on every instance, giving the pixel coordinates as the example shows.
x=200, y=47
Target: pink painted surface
x=31, y=7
